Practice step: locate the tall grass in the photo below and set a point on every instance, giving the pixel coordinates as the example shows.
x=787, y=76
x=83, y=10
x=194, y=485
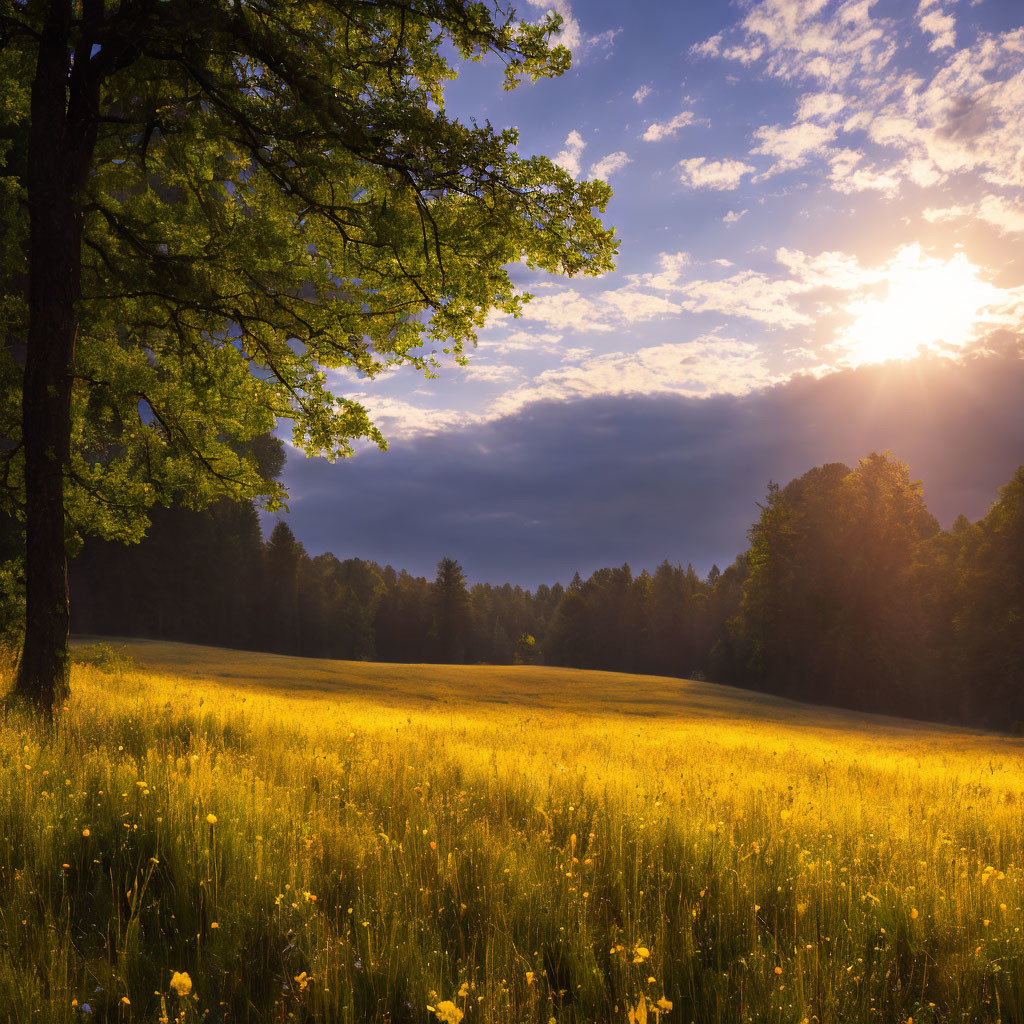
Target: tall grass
x=419, y=843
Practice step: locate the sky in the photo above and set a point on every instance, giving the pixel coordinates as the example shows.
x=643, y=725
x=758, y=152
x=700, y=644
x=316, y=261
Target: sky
x=820, y=213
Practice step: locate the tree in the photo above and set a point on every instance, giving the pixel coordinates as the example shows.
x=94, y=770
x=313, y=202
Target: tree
x=831, y=611
x=525, y=652
x=207, y=204
x=284, y=562
x=453, y=614
x=989, y=618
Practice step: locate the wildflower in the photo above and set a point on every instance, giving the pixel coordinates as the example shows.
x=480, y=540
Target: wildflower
x=447, y=1012
x=125, y=1001
x=181, y=983
x=665, y=1005
x=529, y=977
x=464, y=990
x=86, y=833
x=913, y=914
x=214, y=924
x=778, y=970
x=212, y=819
x=640, y=954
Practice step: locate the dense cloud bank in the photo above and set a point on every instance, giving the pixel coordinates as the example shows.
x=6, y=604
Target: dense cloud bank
x=561, y=487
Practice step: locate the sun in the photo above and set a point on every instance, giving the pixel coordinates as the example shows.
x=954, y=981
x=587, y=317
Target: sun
x=927, y=304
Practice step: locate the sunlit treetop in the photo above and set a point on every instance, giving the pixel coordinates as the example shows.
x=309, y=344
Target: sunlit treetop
x=269, y=191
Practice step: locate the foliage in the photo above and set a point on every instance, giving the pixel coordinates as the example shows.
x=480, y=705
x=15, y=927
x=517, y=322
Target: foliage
x=452, y=612
x=277, y=200
x=359, y=842
x=989, y=613
x=828, y=607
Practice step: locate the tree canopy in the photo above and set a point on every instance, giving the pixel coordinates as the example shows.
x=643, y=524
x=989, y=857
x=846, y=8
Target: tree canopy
x=217, y=214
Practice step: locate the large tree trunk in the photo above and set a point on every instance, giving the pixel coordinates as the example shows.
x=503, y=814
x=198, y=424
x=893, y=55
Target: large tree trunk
x=54, y=265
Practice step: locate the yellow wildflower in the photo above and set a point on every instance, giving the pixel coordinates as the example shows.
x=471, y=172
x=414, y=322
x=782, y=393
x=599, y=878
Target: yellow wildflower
x=181, y=983
x=448, y=1012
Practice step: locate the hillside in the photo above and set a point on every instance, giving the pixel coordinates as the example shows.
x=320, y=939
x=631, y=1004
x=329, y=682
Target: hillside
x=317, y=840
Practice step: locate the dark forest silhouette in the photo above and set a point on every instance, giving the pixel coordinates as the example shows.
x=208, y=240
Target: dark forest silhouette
x=850, y=594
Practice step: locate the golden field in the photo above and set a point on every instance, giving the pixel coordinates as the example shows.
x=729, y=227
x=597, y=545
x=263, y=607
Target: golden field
x=334, y=841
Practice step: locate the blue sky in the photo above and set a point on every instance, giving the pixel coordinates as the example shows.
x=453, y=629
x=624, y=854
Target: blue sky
x=804, y=192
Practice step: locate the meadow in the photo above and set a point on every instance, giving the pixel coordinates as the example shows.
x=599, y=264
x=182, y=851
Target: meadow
x=211, y=835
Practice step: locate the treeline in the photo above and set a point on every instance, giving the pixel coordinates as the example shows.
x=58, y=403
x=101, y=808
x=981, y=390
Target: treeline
x=209, y=577
x=849, y=594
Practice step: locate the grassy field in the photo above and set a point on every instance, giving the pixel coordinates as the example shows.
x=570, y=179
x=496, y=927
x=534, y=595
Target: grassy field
x=315, y=840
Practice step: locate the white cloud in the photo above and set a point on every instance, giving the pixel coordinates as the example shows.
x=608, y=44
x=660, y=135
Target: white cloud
x=835, y=270
x=397, y=417
x=490, y=373
x=672, y=264
x=531, y=339
x=709, y=365
x=605, y=311
x=566, y=311
x=642, y=93
x=656, y=132
x=577, y=354
x=1006, y=217
x=791, y=147
x=723, y=175
x=961, y=115
x=711, y=47
x=633, y=305
x=849, y=176
x=938, y=24
x=783, y=301
x=750, y=295
x=933, y=214
x=609, y=164
x=733, y=216
x=819, y=104
x=803, y=39
x=997, y=211
x=569, y=158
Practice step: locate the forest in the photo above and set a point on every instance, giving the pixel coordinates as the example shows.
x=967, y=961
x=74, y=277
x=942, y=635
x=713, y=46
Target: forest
x=849, y=594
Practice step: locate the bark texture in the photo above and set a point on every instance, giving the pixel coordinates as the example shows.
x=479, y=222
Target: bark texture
x=61, y=138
